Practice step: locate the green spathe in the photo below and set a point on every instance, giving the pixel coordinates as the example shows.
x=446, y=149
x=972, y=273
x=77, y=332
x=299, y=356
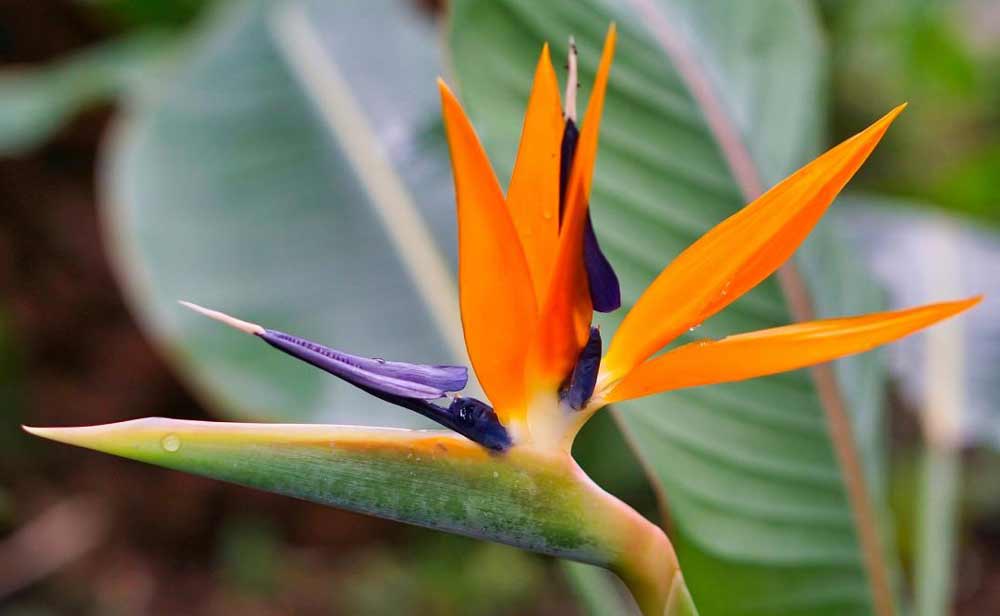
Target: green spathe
x=540, y=501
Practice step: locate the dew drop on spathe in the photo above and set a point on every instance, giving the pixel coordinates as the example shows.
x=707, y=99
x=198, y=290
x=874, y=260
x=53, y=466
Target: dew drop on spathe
x=171, y=443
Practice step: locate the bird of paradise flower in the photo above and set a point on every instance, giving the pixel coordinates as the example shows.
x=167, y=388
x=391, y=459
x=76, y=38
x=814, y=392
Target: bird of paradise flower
x=531, y=274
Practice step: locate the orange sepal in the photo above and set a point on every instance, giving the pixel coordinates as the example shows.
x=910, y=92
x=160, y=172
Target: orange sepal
x=565, y=315
x=533, y=197
x=738, y=253
x=780, y=349
x=496, y=297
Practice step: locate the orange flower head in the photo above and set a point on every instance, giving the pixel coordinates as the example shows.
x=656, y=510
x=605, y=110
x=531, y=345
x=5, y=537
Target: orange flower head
x=531, y=274
x=529, y=278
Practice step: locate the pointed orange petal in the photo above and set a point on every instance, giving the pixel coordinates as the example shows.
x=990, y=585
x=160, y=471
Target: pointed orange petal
x=495, y=293
x=533, y=197
x=738, y=253
x=564, y=321
x=777, y=350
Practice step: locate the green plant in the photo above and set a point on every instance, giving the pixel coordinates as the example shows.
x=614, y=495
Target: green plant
x=764, y=479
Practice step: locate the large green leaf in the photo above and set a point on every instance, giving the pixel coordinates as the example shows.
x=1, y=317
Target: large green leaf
x=749, y=472
x=290, y=169
x=36, y=101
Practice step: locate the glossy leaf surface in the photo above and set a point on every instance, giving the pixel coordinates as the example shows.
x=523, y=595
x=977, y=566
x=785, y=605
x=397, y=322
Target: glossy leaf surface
x=273, y=173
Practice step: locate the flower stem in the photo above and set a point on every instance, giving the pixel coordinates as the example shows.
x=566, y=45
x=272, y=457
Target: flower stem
x=643, y=556
x=652, y=574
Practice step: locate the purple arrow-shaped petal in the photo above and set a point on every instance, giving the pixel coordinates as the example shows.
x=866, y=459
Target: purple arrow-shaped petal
x=584, y=378
x=605, y=292
x=418, y=381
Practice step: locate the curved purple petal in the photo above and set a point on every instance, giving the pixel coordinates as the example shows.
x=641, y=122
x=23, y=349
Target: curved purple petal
x=391, y=377
x=605, y=292
x=475, y=420
x=567, y=151
x=584, y=377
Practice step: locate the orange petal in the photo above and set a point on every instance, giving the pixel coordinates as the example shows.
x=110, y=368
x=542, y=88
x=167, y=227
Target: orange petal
x=777, y=350
x=495, y=293
x=533, y=197
x=564, y=321
x=738, y=253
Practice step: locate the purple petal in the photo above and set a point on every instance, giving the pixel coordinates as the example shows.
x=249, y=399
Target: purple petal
x=567, y=152
x=411, y=386
x=475, y=420
x=390, y=377
x=605, y=293
x=584, y=377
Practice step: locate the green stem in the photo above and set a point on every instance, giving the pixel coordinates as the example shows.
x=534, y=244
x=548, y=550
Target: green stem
x=938, y=523
x=652, y=574
x=644, y=558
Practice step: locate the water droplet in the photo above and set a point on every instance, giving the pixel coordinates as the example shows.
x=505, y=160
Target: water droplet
x=171, y=443
x=496, y=475
x=694, y=327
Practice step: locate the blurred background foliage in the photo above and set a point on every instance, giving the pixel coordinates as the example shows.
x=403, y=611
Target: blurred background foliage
x=158, y=542
x=944, y=58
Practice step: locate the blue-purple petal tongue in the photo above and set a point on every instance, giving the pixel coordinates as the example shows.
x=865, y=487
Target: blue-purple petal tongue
x=567, y=151
x=475, y=420
x=418, y=381
x=605, y=292
x=411, y=386
x=478, y=421
x=584, y=377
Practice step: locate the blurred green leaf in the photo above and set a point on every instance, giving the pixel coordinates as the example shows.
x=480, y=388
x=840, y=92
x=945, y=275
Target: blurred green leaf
x=442, y=575
x=971, y=184
x=600, y=591
x=145, y=13
x=923, y=52
x=754, y=489
x=35, y=102
x=249, y=554
x=291, y=170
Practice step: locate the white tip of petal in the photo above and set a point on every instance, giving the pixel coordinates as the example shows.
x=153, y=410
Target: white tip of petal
x=572, y=82
x=243, y=326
